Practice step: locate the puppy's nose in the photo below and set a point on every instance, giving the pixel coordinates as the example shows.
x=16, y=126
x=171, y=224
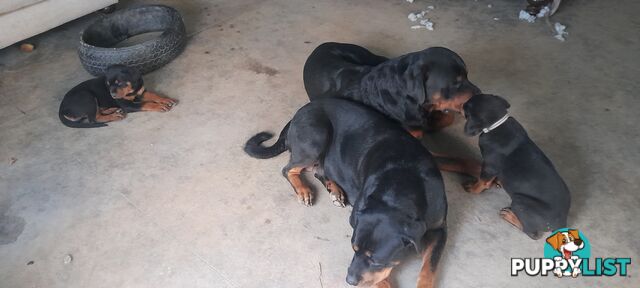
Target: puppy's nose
x=353, y=279
x=577, y=242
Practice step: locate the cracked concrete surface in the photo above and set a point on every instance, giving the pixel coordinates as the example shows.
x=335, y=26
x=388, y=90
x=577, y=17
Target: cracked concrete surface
x=170, y=200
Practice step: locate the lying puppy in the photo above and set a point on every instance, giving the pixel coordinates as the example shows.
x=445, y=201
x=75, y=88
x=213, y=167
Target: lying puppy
x=407, y=88
x=539, y=197
x=109, y=98
x=390, y=179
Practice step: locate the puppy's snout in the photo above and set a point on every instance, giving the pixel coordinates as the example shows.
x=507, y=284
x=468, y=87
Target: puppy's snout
x=578, y=242
x=353, y=279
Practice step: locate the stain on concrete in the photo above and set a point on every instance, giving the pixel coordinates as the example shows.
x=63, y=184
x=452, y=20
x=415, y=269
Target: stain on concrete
x=260, y=68
x=10, y=228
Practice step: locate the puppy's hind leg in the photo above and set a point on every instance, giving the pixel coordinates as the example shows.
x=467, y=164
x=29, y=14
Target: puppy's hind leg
x=307, y=143
x=337, y=195
x=335, y=192
x=293, y=173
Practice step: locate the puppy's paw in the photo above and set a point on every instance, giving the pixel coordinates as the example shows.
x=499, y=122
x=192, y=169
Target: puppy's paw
x=337, y=199
x=336, y=193
x=156, y=107
x=169, y=106
x=109, y=111
x=120, y=114
x=167, y=101
x=305, y=197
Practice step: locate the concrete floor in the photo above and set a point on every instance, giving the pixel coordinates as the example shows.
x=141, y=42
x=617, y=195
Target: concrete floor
x=170, y=200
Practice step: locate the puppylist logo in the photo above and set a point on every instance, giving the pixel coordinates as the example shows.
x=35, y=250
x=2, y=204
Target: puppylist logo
x=567, y=253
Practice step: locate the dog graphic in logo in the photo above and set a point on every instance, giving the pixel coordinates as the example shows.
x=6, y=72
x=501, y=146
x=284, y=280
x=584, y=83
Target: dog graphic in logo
x=566, y=243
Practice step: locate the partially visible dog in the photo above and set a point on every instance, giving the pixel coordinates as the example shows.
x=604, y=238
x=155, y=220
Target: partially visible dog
x=540, y=199
x=409, y=88
x=566, y=243
x=109, y=98
x=390, y=179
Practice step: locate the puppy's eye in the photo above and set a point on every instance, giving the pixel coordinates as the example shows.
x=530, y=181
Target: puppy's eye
x=564, y=240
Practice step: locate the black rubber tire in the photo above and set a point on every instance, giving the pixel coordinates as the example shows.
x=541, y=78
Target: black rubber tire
x=97, y=41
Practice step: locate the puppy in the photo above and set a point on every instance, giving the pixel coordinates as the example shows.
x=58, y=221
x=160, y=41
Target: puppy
x=407, y=89
x=109, y=98
x=540, y=199
x=398, y=199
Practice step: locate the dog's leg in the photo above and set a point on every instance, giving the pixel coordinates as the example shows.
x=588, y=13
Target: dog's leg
x=303, y=191
x=109, y=118
x=458, y=165
x=435, y=241
x=508, y=215
x=149, y=96
x=107, y=111
x=337, y=195
x=115, y=115
x=486, y=179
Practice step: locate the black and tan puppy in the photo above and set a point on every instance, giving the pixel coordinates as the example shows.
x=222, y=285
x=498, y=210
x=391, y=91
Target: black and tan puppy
x=109, y=98
x=540, y=199
x=407, y=88
x=390, y=179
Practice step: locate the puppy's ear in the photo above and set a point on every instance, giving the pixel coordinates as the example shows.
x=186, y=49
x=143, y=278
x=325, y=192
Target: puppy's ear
x=472, y=127
x=461, y=67
x=361, y=228
x=503, y=102
x=415, y=77
x=555, y=240
x=574, y=233
x=413, y=233
x=359, y=235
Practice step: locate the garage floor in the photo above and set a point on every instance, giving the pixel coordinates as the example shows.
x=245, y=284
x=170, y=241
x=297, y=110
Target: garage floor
x=171, y=200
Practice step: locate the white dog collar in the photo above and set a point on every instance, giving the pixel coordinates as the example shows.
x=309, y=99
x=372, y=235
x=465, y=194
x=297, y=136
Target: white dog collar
x=497, y=124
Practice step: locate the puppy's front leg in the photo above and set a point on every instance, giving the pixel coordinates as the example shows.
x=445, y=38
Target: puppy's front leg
x=148, y=96
x=115, y=116
x=156, y=107
x=337, y=195
x=485, y=181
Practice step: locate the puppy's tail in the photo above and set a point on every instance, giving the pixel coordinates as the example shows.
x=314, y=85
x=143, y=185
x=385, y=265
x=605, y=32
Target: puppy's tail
x=79, y=123
x=435, y=241
x=254, y=147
